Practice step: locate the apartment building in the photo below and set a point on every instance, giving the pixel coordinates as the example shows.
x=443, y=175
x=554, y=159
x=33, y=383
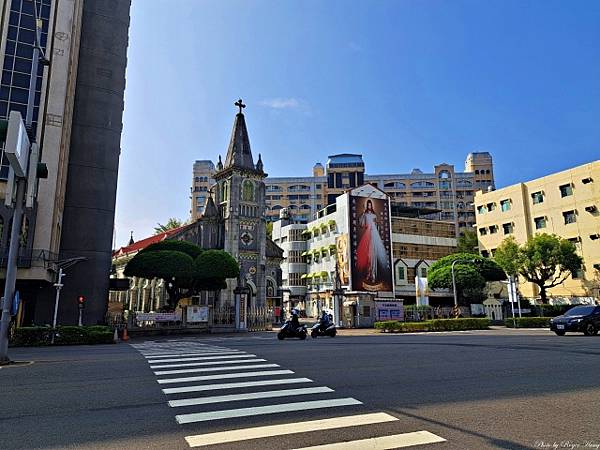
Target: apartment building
x=202, y=182
x=311, y=277
x=450, y=191
x=566, y=203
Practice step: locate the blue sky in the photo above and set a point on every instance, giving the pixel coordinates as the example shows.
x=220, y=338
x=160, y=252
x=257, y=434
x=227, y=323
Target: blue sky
x=406, y=83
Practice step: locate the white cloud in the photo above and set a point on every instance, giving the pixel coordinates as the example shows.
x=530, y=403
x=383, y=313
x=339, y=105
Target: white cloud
x=281, y=103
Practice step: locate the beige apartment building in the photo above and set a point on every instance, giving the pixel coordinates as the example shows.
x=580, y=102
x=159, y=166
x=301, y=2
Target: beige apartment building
x=566, y=204
x=445, y=189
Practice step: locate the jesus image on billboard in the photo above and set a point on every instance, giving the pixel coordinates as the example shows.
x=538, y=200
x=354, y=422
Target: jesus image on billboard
x=370, y=230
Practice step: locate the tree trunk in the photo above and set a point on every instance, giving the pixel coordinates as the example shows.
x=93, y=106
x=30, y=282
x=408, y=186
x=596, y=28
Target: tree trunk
x=543, y=296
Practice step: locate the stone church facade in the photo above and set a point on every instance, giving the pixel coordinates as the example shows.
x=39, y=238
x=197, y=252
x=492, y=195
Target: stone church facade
x=234, y=221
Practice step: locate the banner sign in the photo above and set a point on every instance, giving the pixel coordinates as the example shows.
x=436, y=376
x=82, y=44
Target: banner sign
x=197, y=313
x=370, y=240
x=158, y=317
x=389, y=310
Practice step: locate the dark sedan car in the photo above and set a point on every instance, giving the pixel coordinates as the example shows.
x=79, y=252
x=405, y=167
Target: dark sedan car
x=584, y=319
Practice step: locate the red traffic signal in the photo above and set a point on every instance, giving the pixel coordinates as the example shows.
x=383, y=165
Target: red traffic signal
x=81, y=301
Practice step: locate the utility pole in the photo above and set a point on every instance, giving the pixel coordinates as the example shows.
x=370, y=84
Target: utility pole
x=20, y=181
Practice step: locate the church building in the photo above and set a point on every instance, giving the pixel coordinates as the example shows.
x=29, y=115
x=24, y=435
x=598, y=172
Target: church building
x=234, y=221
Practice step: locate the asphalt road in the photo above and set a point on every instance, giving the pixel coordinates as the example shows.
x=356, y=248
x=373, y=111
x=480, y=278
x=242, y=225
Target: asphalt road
x=508, y=389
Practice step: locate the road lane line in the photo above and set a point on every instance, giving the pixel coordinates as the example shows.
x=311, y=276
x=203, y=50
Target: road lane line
x=249, y=396
x=224, y=376
x=208, y=363
x=260, y=410
x=202, y=358
x=224, y=437
x=215, y=369
x=243, y=384
x=383, y=443
x=185, y=355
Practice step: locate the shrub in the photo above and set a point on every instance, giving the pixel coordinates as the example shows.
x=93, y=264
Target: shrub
x=31, y=336
x=433, y=325
x=529, y=322
x=66, y=335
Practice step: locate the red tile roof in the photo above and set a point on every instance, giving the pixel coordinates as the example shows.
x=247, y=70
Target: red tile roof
x=142, y=244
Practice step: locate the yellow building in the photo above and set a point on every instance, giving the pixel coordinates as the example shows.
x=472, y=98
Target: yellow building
x=566, y=204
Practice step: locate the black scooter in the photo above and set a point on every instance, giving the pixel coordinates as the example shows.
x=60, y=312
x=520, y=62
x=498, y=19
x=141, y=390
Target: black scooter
x=287, y=331
x=323, y=329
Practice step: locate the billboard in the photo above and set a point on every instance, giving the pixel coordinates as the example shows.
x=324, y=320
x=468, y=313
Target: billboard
x=343, y=266
x=370, y=240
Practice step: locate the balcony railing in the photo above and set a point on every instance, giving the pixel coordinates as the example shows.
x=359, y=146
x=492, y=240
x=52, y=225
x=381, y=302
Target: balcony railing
x=28, y=257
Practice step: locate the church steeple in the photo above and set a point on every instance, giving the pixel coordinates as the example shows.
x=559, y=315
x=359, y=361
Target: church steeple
x=239, y=153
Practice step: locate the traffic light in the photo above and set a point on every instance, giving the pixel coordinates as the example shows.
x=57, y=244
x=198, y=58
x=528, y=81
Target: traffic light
x=81, y=301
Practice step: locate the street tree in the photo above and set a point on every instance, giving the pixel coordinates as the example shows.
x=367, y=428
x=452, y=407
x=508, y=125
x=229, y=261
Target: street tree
x=471, y=272
x=171, y=223
x=467, y=243
x=546, y=260
x=508, y=256
x=185, y=268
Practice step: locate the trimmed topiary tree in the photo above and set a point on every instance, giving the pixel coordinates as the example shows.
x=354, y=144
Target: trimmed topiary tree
x=213, y=268
x=171, y=261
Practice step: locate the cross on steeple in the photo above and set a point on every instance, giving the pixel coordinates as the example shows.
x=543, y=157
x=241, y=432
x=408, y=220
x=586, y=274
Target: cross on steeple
x=240, y=105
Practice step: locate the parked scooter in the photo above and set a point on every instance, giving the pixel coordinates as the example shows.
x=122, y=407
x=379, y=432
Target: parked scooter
x=288, y=331
x=323, y=328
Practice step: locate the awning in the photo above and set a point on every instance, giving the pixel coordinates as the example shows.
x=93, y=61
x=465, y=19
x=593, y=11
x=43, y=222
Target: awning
x=331, y=223
x=323, y=274
x=324, y=226
x=304, y=254
x=304, y=275
x=306, y=232
x=323, y=249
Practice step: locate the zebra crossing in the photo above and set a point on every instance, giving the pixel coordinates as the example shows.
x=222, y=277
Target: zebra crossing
x=223, y=384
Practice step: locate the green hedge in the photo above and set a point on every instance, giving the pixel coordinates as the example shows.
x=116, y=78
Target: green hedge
x=67, y=335
x=394, y=326
x=529, y=322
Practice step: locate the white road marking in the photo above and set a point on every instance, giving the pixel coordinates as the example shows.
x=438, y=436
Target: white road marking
x=208, y=363
x=215, y=369
x=225, y=375
x=224, y=437
x=249, y=396
x=202, y=358
x=259, y=410
x=382, y=443
x=243, y=384
x=183, y=355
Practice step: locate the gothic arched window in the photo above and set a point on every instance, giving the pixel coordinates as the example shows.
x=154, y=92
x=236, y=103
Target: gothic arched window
x=248, y=191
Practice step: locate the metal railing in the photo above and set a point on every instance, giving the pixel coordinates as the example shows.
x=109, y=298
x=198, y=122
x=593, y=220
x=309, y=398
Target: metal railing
x=31, y=257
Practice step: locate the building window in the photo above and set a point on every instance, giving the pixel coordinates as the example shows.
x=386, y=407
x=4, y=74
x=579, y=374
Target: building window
x=570, y=217
x=485, y=253
x=507, y=228
x=493, y=229
x=400, y=273
x=537, y=197
x=491, y=206
x=482, y=231
x=505, y=205
x=566, y=190
x=481, y=209
x=540, y=222
x=423, y=271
